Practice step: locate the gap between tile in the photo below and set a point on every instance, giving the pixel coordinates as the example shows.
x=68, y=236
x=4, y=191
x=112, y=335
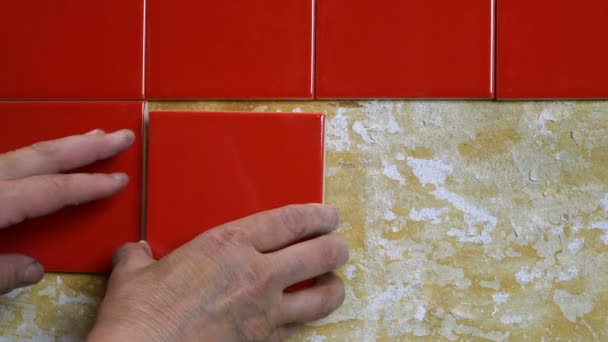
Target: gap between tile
x=144, y=177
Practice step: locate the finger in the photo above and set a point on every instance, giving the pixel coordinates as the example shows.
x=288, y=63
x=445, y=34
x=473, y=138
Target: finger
x=63, y=154
x=315, y=302
x=40, y=195
x=132, y=255
x=309, y=259
x=128, y=259
x=275, y=229
x=18, y=271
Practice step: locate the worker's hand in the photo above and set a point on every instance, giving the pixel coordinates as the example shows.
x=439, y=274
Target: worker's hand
x=228, y=283
x=31, y=185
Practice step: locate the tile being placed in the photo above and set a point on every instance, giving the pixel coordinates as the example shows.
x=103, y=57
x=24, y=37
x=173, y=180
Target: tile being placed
x=404, y=49
x=208, y=168
x=71, y=49
x=552, y=49
x=229, y=49
x=79, y=238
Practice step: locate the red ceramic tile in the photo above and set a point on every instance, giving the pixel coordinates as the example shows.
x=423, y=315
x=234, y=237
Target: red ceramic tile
x=552, y=49
x=206, y=169
x=404, y=49
x=229, y=49
x=82, y=238
x=71, y=49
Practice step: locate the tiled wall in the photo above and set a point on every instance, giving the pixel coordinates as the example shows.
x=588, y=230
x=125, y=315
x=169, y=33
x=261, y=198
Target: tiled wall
x=303, y=49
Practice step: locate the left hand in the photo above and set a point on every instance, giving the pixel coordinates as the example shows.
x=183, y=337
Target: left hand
x=32, y=185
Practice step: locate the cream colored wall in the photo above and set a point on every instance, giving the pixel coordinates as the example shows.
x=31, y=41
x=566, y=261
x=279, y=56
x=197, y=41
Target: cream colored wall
x=467, y=220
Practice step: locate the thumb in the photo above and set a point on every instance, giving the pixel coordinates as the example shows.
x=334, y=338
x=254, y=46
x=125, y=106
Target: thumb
x=18, y=270
x=132, y=256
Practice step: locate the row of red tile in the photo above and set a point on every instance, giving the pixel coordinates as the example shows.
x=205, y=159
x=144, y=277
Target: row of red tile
x=204, y=169
x=238, y=49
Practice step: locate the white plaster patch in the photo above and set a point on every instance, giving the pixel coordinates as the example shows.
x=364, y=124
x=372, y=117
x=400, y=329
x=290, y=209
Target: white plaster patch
x=572, y=306
x=603, y=226
x=297, y=110
x=604, y=203
x=428, y=214
x=362, y=131
x=389, y=249
x=494, y=284
x=501, y=297
x=393, y=126
x=349, y=272
x=316, y=338
x=511, y=319
x=389, y=215
x=470, y=235
x=400, y=156
x=472, y=216
x=567, y=274
x=430, y=171
x=337, y=132
x=543, y=118
x=420, y=313
x=49, y=291
x=17, y=292
x=576, y=244
x=526, y=276
x=392, y=294
x=391, y=171
x=80, y=299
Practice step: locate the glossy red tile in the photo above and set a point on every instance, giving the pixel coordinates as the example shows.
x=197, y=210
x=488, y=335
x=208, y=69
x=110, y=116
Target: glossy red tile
x=551, y=49
x=206, y=169
x=71, y=49
x=81, y=238
x=229, y=49
x=404, y=49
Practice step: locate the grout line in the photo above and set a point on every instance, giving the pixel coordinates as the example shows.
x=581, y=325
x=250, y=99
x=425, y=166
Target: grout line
x=144, y=178
x=494, y=58
x=143, y=53
x=323, y=136
x=313, y=52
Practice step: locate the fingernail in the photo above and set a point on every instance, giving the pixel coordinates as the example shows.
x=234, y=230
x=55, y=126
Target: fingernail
x=95, y=132
x=146, y=246
x=33, y=273
x=120, y=177
x=123, y=135
x=337, y=213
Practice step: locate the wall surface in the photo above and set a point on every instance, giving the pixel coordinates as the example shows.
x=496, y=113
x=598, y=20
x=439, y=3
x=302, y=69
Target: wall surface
x=467, y=220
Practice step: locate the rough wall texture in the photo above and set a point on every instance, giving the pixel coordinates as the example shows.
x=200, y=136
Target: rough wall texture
x=467, y=220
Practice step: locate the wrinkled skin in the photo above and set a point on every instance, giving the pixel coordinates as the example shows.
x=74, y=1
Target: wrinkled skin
x=227, y=284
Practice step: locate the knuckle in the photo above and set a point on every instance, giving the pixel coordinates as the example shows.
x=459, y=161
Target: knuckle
x=256, y=328
x=329, y=300
x=256, y=280
x=291, y=219
x=331, y=252
x=44, y=147
x=226, y=236
x=8, y=279
x=55, y=185
x=11, y=213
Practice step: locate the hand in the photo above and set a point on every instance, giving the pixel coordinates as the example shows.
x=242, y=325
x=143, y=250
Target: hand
x=228, y=283
x=31, y=185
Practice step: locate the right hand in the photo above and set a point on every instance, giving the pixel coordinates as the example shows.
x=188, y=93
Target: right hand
x=228, y=283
